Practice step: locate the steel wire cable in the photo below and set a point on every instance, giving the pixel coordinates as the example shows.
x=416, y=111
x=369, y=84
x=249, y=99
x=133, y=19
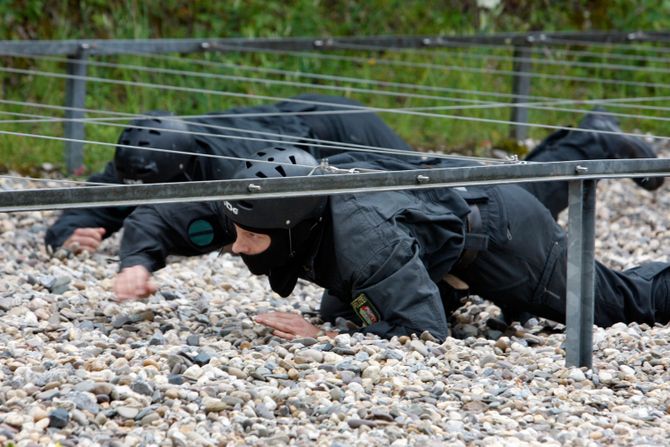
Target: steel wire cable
x=536, y=48
x=187, y=89
x=314, y=142
x=536, y=62
x=375, y=61
x=123, y=116
x=617, y=102
x=403, y=85
x=321, y=76
x=348, y=89
x=299, y=140
x=349, y=79
x=238, y=95
x=483, y=160
x=266, y=81
x=628, y=46
x=338, y=145
x=221, y=157
x=540, y=47
x=251, y=79
x=238, y=130
x=378, y=109
x=608, y=55
x=54, y=180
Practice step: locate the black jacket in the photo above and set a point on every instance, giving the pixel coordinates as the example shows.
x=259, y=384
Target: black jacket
x=284, y=119
x=388, y=249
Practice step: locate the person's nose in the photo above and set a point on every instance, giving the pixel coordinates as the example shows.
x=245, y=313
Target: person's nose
x=239, y=247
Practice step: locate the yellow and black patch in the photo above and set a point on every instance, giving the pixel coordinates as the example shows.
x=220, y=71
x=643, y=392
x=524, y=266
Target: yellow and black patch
x=365, y=310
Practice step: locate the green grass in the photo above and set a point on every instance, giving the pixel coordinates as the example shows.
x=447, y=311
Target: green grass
x=172, y=18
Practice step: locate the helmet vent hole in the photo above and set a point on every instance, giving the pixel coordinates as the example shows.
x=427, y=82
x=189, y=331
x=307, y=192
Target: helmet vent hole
x=292, y=158
x=281, y=171
x=125, y=141
x=154, y=132
x=271, y=159
x=261, y=174
x=261, y=154
x=248, y=164
x=143, y=143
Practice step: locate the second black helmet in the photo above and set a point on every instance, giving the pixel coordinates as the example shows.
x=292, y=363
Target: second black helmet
x=276, y=213
x=157, y=131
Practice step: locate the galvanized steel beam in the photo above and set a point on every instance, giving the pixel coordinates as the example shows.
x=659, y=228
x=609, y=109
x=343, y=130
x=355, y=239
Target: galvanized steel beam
x=75, y=100
x=90, y=196
x=521, y=89
x=580, y=273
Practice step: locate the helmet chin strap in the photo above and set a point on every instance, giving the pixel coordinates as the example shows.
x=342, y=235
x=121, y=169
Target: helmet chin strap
x=188, y=177
x=290, y=237
x=184, y=169
x=291, y=252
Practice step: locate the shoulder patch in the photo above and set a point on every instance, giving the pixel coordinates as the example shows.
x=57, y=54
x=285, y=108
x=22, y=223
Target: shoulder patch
x=365, y=310
x=201, y=232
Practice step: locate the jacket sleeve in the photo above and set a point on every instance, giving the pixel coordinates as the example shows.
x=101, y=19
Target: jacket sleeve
x=110, y=218
x=151, y=233
x=391, y=267
x=399, y=297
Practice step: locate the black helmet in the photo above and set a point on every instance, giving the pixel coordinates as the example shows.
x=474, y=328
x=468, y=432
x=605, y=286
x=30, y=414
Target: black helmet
x=284, y=213
x=147, y=166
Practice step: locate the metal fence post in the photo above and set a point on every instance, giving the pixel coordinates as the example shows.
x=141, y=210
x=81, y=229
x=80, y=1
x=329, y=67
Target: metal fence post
x=75, y=97
x=521, y=89
x=581, y=273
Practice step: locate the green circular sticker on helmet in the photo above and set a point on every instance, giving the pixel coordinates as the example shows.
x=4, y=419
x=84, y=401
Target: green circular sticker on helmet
x=201, y=232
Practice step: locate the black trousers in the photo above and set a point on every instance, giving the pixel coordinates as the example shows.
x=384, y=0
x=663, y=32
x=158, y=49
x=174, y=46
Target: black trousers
x=562, y=145
x=524, y=267
x=351, y=126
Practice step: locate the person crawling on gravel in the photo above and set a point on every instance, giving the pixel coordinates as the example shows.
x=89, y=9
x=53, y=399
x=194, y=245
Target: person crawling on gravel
x=196, y=140
x=394, y=261
x=84, y=229
x=153, y=232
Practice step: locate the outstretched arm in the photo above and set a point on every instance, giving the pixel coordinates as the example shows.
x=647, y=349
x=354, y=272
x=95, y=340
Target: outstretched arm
x=84, y=229
x=133, y=283
x=290, y=325
x=152, y=233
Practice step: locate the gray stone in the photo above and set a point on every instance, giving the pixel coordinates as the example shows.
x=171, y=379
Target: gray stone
x=59, y=418
x=202, y=359
x=142, y=387
x=157, y=339
x=176, y=379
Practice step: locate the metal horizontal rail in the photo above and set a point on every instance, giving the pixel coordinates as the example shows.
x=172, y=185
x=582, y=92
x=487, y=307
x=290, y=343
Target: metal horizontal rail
x=61, y=198
x=100, y=46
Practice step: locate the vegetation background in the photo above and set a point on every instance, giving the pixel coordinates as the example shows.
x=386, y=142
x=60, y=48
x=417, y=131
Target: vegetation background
x=136, y=19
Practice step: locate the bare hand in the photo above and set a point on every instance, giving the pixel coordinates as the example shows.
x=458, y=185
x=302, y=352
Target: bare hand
x=133, y=283
x=84, y=239
x=289, y=325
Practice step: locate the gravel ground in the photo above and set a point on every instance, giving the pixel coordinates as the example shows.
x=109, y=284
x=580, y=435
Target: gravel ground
x=188, y=367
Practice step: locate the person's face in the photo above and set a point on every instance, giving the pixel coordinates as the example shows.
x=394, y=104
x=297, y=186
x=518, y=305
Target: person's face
x=249, y=243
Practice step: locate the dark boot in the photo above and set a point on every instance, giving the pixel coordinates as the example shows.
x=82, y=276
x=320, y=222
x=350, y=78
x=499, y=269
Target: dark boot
x=620, y=146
